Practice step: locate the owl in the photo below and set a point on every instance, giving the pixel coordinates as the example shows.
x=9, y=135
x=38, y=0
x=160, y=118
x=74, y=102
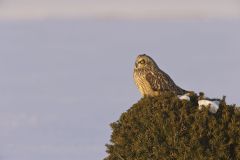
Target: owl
x=151, y=80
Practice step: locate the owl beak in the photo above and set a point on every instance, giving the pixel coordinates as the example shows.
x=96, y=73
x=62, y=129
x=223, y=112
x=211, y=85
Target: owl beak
x=136, y=64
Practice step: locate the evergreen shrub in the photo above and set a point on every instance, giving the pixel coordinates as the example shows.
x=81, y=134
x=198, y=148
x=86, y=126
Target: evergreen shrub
x=166, y=128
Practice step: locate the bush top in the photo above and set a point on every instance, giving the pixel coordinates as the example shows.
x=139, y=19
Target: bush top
x=165, y=127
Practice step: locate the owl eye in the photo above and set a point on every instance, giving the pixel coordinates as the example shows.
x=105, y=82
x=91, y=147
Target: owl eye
x=142, y=61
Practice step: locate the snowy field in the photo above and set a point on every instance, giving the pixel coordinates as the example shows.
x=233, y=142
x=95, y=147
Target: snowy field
x=63, y=82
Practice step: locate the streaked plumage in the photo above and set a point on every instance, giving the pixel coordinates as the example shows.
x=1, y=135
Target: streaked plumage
x=151, y=80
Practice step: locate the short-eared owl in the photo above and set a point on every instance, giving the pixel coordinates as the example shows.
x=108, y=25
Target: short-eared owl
x=151, y=80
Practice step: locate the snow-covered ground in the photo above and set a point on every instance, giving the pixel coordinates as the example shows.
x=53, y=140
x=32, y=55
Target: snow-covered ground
x=63, y=82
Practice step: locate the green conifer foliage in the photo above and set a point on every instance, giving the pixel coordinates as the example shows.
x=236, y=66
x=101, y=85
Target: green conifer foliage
x=166, y=128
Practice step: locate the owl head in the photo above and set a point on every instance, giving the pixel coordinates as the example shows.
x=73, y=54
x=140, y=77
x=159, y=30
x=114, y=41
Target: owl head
x=144, y=61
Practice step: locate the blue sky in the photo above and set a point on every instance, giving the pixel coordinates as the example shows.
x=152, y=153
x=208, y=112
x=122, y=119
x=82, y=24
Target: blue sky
x=124, y=9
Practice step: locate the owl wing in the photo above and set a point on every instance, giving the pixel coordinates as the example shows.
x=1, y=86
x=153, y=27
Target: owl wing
x=160, y=81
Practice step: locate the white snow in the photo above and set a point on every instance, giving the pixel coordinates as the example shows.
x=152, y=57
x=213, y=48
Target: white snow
x=184, y=97
x=213, y=105
x=62, y=83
